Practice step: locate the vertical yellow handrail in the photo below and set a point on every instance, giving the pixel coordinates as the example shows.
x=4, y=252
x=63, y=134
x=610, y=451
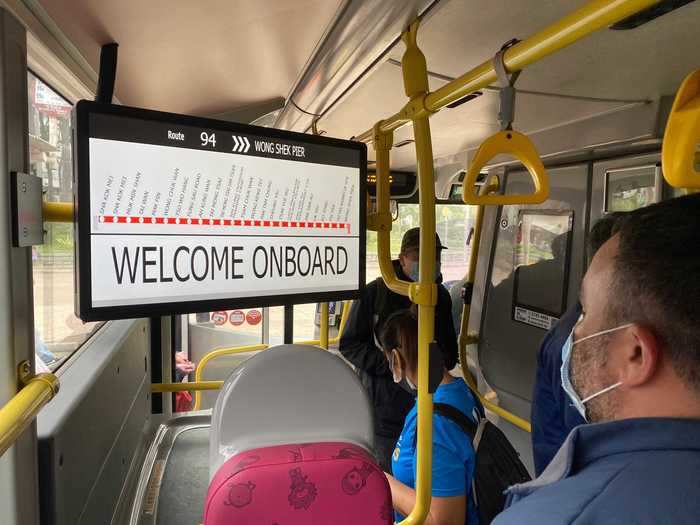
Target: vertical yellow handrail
x=383, y=142
x=423, y=292
x=491, y=185
x=323, y=336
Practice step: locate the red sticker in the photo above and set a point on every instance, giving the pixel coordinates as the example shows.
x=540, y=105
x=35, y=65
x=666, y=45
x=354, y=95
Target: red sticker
x=219, y=318
x=253, y=317
x=236, y=318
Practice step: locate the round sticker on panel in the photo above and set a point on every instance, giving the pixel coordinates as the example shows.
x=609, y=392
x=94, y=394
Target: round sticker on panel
x=253, y=317
x=219, y=318
x=236, y=318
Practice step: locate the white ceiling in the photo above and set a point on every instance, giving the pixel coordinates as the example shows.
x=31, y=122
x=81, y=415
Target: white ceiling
x=641, y=64
x=210, y=57
x=197, y=57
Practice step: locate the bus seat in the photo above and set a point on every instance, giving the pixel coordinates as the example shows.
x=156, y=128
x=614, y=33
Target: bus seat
x=291, y=437
x=298, y=484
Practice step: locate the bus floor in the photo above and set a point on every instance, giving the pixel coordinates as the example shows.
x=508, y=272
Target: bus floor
x=175, y=476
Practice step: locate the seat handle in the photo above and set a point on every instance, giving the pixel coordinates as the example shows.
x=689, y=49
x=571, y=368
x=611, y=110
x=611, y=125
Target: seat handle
x=679, y=153
x=519, y=146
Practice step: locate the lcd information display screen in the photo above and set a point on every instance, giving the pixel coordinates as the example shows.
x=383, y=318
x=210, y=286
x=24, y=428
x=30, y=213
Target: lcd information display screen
x=180, y=214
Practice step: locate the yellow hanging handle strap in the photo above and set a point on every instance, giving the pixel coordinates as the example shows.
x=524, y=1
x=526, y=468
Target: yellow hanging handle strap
x=679, y=152
x=509, y=142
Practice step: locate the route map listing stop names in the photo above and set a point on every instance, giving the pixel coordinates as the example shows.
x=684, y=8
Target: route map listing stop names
x=231, y=216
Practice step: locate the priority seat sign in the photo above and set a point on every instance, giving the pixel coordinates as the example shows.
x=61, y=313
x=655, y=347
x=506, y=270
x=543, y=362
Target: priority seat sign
x=179, y=214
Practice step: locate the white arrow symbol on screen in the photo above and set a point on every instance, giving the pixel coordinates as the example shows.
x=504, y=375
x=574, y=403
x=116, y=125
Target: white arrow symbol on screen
x=240, y=144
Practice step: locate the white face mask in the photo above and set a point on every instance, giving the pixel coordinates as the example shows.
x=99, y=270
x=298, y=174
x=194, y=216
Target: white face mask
x=400, y=378
x=567, y=385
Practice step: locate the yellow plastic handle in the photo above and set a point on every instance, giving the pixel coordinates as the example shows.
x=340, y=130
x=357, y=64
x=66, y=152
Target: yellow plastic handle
x=519, y=146
x=682, y=136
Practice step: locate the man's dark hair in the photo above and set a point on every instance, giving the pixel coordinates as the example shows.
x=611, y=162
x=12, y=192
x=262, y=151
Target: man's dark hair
x=656, y=279
x=602, y=230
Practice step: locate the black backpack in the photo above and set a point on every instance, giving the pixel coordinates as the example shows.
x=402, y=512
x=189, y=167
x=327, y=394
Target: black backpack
x=498, y=464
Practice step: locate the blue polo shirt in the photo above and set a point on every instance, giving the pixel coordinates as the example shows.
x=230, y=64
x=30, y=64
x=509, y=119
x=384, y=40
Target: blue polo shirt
x=453, y=454
x=644, y=471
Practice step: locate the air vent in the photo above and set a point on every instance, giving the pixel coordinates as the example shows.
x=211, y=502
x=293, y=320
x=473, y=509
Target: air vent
x=464, y=100
x=651, y=13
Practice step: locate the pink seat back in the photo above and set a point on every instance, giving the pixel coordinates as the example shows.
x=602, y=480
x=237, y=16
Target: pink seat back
x=319, y=484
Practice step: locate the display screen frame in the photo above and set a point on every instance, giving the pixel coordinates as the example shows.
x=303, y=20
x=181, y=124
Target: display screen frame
x=657, y=185
x=568, y=213
x=84, y=307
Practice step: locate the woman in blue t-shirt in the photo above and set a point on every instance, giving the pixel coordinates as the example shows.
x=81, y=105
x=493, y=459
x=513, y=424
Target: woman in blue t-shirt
x=453, y=454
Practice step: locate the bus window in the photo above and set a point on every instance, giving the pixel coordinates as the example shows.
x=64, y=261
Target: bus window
x=541, y=258
x=58, y=331
x=304, y=326
x=453, y=223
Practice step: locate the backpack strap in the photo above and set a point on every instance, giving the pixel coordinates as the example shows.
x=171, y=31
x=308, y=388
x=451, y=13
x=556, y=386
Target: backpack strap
x=457, y=416
x=474, y=430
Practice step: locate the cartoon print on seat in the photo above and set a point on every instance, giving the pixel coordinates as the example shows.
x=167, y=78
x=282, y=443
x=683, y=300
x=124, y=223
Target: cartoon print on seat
x=355, y=480
x=244, y=463
x=240, y=495
x=302, y=492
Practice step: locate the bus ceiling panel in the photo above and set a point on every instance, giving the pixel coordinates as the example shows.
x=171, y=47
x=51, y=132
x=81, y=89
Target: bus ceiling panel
x=357, y=38
x=642, y=63
x=453, y=130
x=189, y=57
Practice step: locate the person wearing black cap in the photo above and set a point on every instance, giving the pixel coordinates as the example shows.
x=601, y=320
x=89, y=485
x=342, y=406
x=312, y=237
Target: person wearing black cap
x=359, y=344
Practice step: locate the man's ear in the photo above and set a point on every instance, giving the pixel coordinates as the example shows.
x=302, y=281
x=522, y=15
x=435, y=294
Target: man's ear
x=640, y=355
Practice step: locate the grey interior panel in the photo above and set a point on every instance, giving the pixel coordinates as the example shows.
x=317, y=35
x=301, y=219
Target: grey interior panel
x=508, y=348
x=91, y=434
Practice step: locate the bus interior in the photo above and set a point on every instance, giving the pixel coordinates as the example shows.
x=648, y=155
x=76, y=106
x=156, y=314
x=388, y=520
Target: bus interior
x=126, y=439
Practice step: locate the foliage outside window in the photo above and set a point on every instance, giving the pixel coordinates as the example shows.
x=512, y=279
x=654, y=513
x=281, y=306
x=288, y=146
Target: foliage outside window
x=58, y=332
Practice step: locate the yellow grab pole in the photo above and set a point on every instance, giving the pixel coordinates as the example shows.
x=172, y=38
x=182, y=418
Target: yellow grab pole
x=324, y=326
x=19, y=412
x=490, y=185
x=58, y=211
x=424, y=292
x=212, y=355
x=382, y=145
x=587, y=19
x=343, y=319
x=186, y=387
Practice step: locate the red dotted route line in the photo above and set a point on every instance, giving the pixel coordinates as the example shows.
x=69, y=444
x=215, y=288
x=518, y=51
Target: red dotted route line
x=121, y=219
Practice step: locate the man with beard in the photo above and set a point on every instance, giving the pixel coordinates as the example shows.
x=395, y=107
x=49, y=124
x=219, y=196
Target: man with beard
x=631, y=367
x=553, y=416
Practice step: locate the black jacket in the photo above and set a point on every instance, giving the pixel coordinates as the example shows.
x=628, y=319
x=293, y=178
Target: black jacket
x=358, y=345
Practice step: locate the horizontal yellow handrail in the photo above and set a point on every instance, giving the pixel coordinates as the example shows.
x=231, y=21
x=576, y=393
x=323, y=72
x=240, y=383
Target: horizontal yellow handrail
x=254, y=348
x=18, y=413
x=186, y=387
x=587, y=19
x=213, y=355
